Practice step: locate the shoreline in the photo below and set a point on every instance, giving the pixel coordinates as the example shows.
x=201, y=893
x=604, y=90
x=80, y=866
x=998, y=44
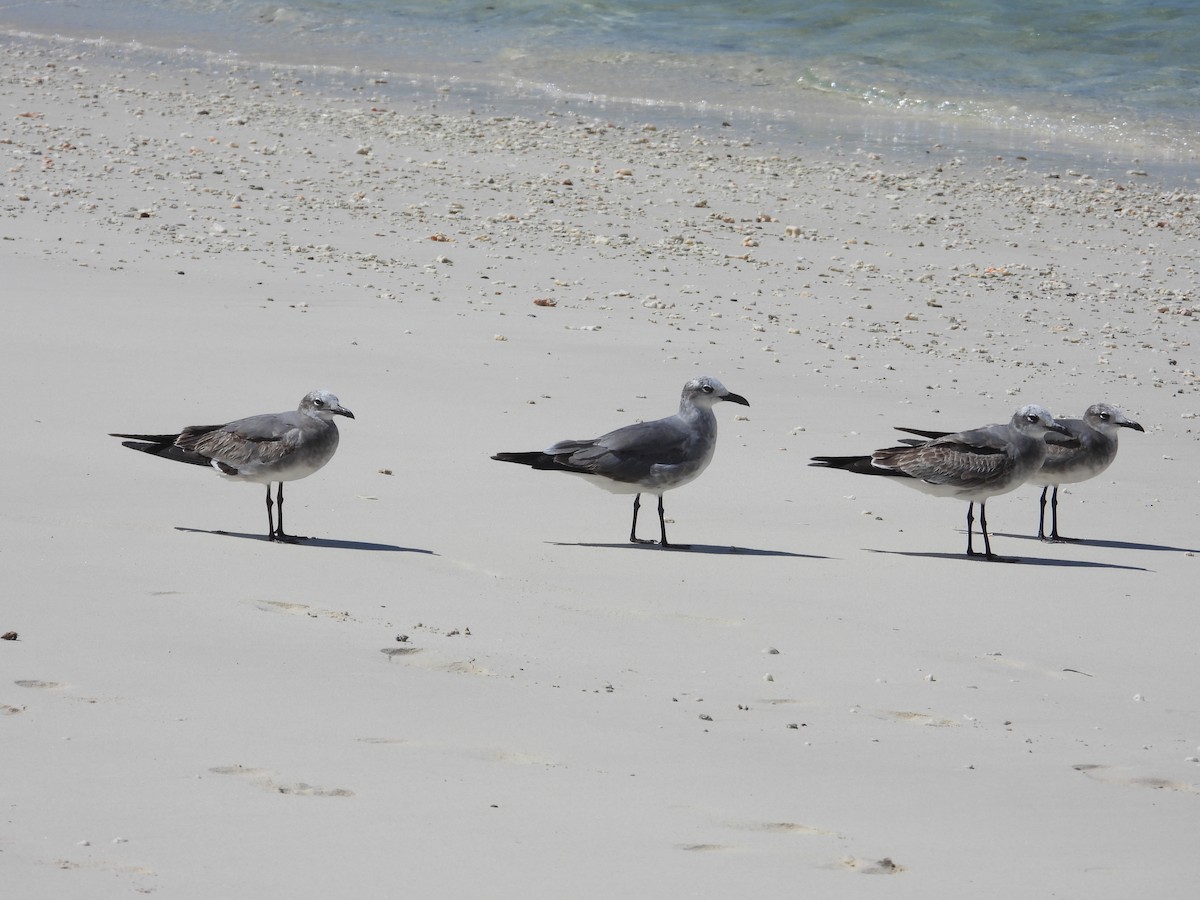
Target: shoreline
x=761, y=108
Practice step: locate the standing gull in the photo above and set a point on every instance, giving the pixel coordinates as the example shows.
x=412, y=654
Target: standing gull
x=969, y=465
x=1091, y=450
x=270, y=447
x=647, y=456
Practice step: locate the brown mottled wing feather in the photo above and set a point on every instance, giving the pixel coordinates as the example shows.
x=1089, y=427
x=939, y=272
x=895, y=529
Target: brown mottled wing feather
x=240, y=443
x=1057, y=454
x=947, y=462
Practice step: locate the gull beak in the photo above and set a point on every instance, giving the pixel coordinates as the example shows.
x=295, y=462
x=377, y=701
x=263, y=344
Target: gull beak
x=342, y=411
x=1134, y=425
x=1058, y=435
x=736, y=398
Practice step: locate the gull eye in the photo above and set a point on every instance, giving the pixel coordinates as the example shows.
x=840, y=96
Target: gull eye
x=707, y=388
x=317, y=401
x=1104, y=417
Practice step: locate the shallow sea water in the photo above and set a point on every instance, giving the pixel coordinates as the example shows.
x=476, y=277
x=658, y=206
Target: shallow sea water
x=1109, y=85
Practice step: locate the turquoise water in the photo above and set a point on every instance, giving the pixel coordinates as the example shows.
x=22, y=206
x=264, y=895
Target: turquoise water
x=1107, y=81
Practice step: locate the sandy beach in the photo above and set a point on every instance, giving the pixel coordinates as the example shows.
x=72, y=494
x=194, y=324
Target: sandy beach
x=468, y=683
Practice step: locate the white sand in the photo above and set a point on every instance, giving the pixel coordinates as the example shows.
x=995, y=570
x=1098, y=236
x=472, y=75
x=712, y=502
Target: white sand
x=198, y=715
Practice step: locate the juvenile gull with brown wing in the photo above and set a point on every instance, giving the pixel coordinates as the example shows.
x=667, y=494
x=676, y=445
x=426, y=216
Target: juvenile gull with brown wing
x=1091, y=450
x=270, y=447
x=969, y=465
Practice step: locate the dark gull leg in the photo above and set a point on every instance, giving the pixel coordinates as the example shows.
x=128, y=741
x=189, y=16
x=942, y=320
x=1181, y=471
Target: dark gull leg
x=1042, y=512
x=662, y=524
x=987, y=544
x=970, y=529
x=279, y=534
x=1054, y=535
x=271, y=516
x=633, y=538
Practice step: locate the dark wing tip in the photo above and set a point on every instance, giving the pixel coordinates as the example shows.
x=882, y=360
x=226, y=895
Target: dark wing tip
x=525, y=459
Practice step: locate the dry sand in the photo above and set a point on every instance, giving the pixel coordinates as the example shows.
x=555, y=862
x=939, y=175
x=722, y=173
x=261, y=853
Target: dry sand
x=469, y=685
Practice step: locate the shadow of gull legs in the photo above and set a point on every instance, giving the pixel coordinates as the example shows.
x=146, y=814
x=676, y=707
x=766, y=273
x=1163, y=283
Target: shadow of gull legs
x=721, y=549
x=329, y=543
x=1022, y=560
x=1113, y=545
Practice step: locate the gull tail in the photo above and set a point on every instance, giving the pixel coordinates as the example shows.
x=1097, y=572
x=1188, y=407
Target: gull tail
x=861, y=465
x=162, y=445
x=535, y=459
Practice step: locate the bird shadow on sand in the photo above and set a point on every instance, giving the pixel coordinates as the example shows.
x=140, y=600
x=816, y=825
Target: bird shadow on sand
x=1016, y=560
x=328, y=543
x=714, y=549
x=1108, y=545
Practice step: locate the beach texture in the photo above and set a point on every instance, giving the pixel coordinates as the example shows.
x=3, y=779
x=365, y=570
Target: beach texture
x=469, y=684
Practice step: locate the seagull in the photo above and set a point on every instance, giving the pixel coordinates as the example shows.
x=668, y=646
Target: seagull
x=1091, y=450
x=270, y=447
x=647, y=456
x=970, y=465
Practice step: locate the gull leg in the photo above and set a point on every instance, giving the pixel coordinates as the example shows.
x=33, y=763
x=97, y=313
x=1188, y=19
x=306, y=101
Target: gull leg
x=633, y=538
x=662, y=524
x=270, y=516
x=1054, y=535
x=1042, y=512
x=970, y=528
x=987, y=544
x=279, y=533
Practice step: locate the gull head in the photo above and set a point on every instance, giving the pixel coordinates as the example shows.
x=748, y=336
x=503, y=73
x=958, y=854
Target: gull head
x=1106, y=419
x=1036, y=421
x=324, y=406
x=706, y=390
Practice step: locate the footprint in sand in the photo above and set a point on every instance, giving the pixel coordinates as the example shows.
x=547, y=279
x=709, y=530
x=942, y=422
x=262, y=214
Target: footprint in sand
x=1111, y=775
x=914, y=718
x=1000, y=661
x=782, y=828
x=883, y=866
x=265, y=780
x=303, y=609
x=708, y=848
x=34, y=683
x=518, y=758
x=456, y=666
x=403, y=742
x=106, y=866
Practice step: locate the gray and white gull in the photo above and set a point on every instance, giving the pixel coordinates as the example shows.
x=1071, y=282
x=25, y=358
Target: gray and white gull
x=652, y=457
x=972, y=465
x=272, y=447
x=1091, y=450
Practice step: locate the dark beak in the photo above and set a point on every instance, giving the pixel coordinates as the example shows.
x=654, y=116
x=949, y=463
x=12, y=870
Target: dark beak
x=736, y=398
x=1058, y=434
x=1134, y=425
